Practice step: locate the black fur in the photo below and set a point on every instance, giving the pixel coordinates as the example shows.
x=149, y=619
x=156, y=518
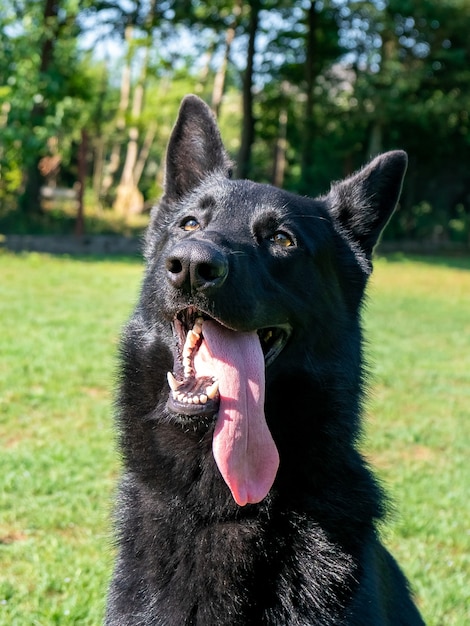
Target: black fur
x=308, y=553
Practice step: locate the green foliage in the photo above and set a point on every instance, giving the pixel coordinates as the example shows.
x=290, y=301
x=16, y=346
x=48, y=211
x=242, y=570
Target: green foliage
x=60, y=321
x=350, y=78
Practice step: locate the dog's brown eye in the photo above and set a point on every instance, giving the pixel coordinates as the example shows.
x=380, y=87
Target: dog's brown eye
x=282, y=239
x=190, y=224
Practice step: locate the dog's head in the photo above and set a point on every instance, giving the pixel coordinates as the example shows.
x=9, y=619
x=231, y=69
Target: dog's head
x=242, y=273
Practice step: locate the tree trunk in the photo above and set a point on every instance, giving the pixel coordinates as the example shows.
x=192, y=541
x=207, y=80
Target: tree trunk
x=4, y=113
x=279, y=167
x=30, y=201
x=128, y=197
x=144, y=153
x=309, y=122
x=219, y=80
x=82, y=167
x=248, y=123
x=98, y=166
x=115, y=158
x=375, y=139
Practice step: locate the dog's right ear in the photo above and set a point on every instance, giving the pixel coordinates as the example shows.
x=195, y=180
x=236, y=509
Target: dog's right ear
x=195, y=149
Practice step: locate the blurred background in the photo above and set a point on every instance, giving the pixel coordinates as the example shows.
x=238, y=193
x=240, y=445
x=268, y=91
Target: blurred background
x=305, y=93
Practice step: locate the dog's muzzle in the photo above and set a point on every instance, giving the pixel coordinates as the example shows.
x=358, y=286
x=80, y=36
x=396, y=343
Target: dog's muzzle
x=195, y=266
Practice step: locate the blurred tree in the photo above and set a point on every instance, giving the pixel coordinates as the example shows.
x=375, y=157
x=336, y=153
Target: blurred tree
x=301, y=47
x=128, y=197
x=411, y=88
x=318, y=86
x=248, y=121
x=47, y=93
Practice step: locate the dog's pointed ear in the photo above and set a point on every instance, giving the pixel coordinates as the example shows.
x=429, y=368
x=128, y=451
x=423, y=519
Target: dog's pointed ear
x=195, y=149
x=363, y=203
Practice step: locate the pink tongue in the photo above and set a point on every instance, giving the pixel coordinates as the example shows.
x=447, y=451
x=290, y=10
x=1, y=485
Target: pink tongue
x=243, y=448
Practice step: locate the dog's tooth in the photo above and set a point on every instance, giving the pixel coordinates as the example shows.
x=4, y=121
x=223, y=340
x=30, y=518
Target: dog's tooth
x=190, y=342
x=188, y=371
x=212, y=390
x=197, y=328
x=193, y=337
x=203, y=398
x=174, y=384
x=195, y=400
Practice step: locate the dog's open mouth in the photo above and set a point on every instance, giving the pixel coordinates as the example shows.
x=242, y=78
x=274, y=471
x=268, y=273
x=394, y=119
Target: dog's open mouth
x=222, y=371
x=194, y=385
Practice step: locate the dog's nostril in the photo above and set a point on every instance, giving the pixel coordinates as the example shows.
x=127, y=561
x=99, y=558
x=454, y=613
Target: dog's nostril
x=196, y=266
x=174, y=266
x=210, y=271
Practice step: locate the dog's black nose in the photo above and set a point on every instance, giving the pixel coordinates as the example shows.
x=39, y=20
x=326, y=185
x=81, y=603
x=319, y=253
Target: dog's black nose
x=196, y=266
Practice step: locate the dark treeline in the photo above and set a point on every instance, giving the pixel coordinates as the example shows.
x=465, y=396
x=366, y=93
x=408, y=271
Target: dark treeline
x=305, y=92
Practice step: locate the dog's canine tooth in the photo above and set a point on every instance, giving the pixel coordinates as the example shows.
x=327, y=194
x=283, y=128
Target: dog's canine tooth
x=174, y=384
x=212, y=390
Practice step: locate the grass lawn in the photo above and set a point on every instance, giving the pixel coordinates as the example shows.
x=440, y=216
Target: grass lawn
x=60, y=319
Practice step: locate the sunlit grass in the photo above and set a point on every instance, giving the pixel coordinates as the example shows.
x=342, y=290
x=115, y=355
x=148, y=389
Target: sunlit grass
x=418, y=325
x=60, y=319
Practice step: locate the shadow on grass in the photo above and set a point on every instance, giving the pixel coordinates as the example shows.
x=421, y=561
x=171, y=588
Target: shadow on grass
x=119, y=249
x=457, y=261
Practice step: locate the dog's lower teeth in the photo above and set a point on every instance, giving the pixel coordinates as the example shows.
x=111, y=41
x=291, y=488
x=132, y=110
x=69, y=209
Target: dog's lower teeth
x=189, y=398
x=192, y=390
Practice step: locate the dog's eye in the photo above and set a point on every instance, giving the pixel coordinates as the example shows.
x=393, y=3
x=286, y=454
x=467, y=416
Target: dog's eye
x=282, y=239
x=190, y=224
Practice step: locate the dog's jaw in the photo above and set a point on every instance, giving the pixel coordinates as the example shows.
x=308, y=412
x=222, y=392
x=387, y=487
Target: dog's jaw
x=194, y=391
x=223, y=375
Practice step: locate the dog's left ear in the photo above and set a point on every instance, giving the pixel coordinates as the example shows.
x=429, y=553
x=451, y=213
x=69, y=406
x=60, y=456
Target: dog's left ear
x=195, y=149
x=363, y=203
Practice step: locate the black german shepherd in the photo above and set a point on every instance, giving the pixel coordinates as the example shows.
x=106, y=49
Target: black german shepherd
x=244, y=500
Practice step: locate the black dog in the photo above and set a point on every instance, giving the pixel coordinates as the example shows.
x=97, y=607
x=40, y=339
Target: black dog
x=244, y=500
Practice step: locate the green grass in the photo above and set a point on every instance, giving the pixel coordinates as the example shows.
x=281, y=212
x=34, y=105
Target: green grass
x=60, y=319
x=418, y=325
x=60, y=323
